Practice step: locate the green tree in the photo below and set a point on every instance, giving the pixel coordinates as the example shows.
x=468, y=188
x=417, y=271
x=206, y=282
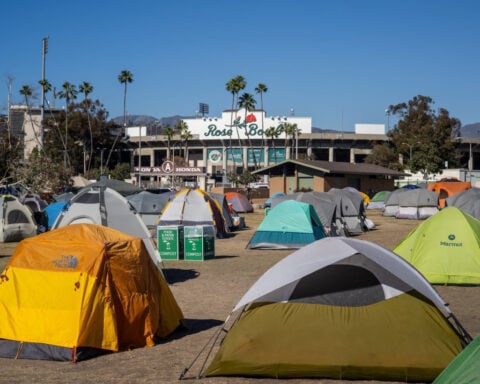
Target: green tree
x=68, y=93
x=86, y=88
x=248, y=102
x=423, y=135
x=261, y=89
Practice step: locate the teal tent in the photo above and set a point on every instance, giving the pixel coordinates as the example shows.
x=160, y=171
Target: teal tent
x=289, y=225
x=465, y=368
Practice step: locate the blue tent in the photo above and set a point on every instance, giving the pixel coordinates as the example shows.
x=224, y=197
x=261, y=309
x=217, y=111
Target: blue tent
x=53, y=210
x=289, y=225
x=268, y=203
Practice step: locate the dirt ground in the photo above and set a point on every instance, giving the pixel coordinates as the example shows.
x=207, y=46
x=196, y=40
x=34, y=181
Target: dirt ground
x=207, y=291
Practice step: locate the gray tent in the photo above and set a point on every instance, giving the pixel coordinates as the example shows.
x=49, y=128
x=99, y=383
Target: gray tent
x=221, y=199
x=325, y=208
x=392, y=201
x=104, y=206
x=468, y=201
x=120, y=186
x=352, y=209
x=417, y=204
x=149, y=205
x=17, y=221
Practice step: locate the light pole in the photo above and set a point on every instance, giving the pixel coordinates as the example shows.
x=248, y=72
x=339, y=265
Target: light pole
x=411, y=148
x=387, y=112
x=140, y=157
x=42, y=111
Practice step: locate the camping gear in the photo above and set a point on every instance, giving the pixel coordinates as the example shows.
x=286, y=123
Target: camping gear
x=417, y=204
x=149, y=205
x=232, y=221
x=194, y=207
x=340, y=308
x=81, y=290
x=378, y=200
x=37, y=205
x=17, y=221
x=53, y=210
x=289, y=225
x=448, y=187
x=102, y=205
x=239, y=202
x=325, y=208
x=468, y=201
x=392, y=202
x=268, y=202
x=445, y=248
x=465, y=368
x=350, y=206
x=122, y=187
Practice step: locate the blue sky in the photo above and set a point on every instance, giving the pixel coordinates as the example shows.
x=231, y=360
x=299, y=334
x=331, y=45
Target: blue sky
x=341, y=62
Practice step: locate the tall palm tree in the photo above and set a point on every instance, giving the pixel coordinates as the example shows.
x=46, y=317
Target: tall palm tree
x=248, y=102
x=185, y=135
x=69, y=93
x=27, y=92
x=230, y=87
x=273, y=133
x=124, y=78
x=169, y=132
x=261, y=89
x=289, y=130
x=86, y=88
x=235, y=85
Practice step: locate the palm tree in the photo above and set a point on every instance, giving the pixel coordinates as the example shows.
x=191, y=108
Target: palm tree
x=235, y=85
x=289, y=130
x=46, y=87
x=248, y=102
x=27, y=93
x=169, y=132
x=124, y=78
x=185, y=135
x=69, y=93
x=86, y=88
x=261, y=89
x=273, y=133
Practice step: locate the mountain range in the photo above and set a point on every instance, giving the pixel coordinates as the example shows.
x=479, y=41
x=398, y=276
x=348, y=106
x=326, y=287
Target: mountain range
x=469, y=130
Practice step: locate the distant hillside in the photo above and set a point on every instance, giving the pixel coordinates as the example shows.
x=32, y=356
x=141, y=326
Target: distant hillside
x=470, y=130
x=137, y=120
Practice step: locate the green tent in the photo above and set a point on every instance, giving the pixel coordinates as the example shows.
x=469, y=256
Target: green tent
x=445, y=248
x=465, y=368
x=289, y=225
x=340, y=308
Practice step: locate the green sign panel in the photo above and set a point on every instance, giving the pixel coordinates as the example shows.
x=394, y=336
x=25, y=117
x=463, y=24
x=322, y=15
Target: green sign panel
x=235, y=155
x=259, y=155
x=276, y=155
x=170, y=242
x=199, y=242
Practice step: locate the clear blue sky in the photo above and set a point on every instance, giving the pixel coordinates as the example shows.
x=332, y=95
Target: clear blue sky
x=339, y=61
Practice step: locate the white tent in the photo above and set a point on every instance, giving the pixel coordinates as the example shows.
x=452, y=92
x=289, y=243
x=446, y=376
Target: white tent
x=17, y=221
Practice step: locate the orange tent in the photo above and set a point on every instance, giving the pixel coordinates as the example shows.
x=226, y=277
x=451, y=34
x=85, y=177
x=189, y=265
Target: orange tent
x=80, y=290
x=447, y=187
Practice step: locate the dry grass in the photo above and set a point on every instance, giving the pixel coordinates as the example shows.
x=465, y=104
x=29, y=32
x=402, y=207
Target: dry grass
x=206, y=292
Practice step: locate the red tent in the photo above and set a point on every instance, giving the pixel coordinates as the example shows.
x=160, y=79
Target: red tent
x=239, y=202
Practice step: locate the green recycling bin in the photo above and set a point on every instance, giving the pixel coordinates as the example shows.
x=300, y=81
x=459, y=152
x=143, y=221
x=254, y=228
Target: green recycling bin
x=170, y=242
x=199, y=242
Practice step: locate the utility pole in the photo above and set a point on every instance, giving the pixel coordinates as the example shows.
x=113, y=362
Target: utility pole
x=44, y=54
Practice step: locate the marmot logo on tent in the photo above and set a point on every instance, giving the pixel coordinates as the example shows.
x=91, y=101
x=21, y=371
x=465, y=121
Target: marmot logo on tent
x=67, y=261
x=451, y=243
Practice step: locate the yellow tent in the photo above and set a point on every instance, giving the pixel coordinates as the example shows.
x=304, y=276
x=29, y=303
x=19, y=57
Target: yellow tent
x=80, y=290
